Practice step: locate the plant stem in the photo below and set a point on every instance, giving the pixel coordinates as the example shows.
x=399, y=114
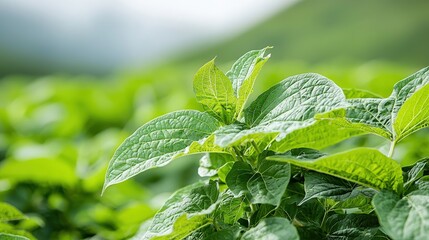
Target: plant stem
x=392, y=149
x=238, y=153
x=256, y=147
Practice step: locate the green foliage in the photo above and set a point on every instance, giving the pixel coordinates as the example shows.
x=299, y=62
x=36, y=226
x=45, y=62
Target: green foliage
x=56, y=136
x=264, y=185
x=364, y=166
x=9, y=213
x=262, y=177
x=158, y=142
x=272, y=228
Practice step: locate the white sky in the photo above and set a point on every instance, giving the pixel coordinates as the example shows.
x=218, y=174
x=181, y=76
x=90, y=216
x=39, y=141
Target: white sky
x=123, y=30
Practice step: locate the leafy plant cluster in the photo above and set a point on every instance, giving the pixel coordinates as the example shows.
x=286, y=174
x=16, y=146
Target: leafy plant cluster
x=57, y=134
x=264, y=174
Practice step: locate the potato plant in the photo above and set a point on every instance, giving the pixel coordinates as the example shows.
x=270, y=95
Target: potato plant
x=264, y=172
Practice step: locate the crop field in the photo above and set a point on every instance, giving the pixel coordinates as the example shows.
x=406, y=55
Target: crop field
x=311, y=124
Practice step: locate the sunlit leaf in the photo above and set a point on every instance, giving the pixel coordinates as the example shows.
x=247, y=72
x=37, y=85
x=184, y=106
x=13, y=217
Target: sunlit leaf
x=272, y=228
x=406, y=218
x=266, y=184
x=9, y=213
x=243, y=74
x=215, y=92
x=156, y=143
x=184, y=212
x=413, y=114
x=367, y=167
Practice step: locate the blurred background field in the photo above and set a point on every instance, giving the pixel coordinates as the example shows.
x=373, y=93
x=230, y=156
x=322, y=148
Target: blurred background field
x=66, y=104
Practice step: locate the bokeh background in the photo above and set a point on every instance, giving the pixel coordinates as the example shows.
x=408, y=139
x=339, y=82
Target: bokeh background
x=78, y=77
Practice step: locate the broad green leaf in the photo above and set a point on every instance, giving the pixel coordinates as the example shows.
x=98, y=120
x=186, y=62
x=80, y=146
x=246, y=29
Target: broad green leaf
x=9, y=213
x=215, y=92
x=288, y=106
x=359, y=201
x=359, y=93
x=210, y=233
x=416, y=172
x=406, y=218
x=321, y=134
x=230, y=208
x=319, y=185
x=243, y=74
x=274, y=228
x=374, y=112
x=211, y=162
x=367, y=167
x=352, y=226
x=263, y=211
x=310, y=214
x=237, y=134
x=204, y=145
x=407, y=87
x=265, y=185
x=156, y=143
x=184, y=212
x=183, y=226
x=413, y=114
x=294, y=102
x=398, y=115
x=330, y=128
x=224, y=170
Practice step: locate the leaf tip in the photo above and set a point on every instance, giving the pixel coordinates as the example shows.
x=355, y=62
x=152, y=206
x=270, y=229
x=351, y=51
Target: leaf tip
x=105, y=186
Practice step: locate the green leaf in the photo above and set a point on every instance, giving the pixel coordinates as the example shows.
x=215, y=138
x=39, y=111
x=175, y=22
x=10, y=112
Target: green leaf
x=156, y=143
x=9, y=213
x=274, y=228
x=367, y=167
x=309, y=214
x=265, y=185
x=359, y=201
x=184, y=212
x=398, y=115
x=319, y=185
x=214, y=91
x=407, y=87
x=294, y=102
x=374, y=112
x=224, y=170
x=416, y=172
x=230, y=208
x=203, y=146
x=288, y=106
x=406, y=218
x=352, y=226
x=243, y=74
x=211, y=162
x=359, y=93
x=413, y=114
x=183, y=226
x=423, y=183
x=321, y=134
x=10, y=232
x=210, y=233
x=237, y=134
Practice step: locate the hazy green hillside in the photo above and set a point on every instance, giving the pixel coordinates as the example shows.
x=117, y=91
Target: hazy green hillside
x=329, y=30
